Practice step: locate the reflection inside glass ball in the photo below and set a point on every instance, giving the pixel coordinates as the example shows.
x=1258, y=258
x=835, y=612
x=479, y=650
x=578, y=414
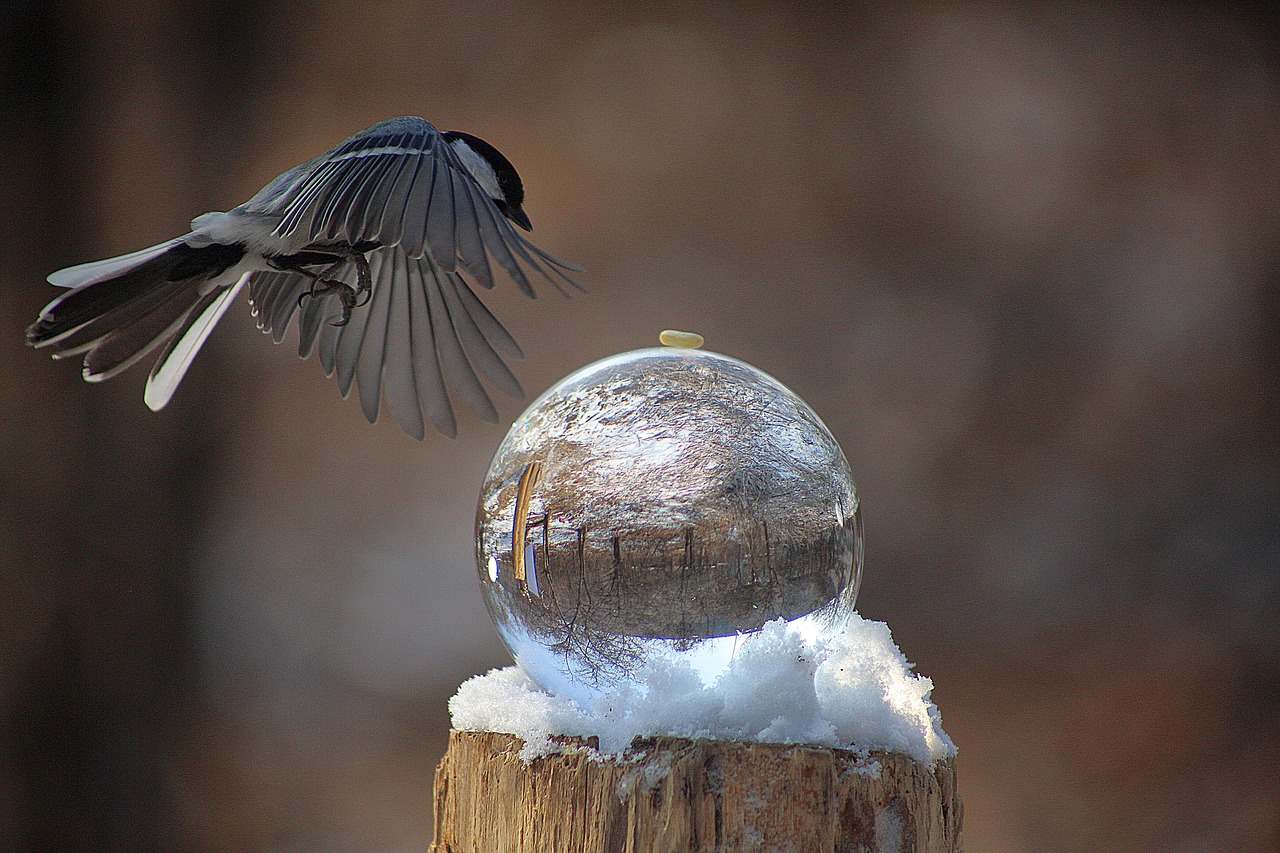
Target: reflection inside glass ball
x=663, y=502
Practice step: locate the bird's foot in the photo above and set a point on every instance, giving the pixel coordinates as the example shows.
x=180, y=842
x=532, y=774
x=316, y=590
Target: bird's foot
x=349, y=297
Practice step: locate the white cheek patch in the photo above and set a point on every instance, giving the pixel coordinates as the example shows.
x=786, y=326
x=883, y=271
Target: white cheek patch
x=479, y=168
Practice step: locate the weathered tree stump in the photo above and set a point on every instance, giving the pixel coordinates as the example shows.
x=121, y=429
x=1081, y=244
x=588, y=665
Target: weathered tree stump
x=689, y=796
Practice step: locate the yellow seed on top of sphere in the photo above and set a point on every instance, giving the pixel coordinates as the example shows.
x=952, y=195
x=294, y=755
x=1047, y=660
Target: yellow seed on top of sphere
x=673, y=338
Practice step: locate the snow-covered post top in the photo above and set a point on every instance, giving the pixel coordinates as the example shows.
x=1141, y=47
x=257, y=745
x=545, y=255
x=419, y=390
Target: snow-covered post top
x=669, y=542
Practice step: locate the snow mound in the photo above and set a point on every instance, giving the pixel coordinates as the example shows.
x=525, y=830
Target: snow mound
x=855, y=691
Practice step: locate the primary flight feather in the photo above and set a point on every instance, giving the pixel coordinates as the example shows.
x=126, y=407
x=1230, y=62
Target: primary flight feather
x=373, y=245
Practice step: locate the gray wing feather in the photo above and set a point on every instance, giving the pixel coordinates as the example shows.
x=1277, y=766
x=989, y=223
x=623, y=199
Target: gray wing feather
x=373, y=345
x=299, y=214
x=453, y=359
x=273, y=297
x=310, y=318
x=263, y=294
x=493, y=227
x=398, y=369
x=411, y=219
x=473, y=341
x=557, y=264
x=547, y=261
x=389, y=218
x=494, y=332
x=426, y=363
x=472, y=256
x=441, y=224
x=332, y=222
x=350, y=337
x=285, y=305
x=372, y=204
x=522, y=246
x=327, y=347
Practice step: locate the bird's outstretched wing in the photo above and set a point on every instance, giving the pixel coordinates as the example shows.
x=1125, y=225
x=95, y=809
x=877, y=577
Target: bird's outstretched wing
x=399, y=196
x=422, y=327
x=400, y=184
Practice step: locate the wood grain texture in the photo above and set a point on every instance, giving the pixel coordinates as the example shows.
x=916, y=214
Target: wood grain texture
x=671, y=795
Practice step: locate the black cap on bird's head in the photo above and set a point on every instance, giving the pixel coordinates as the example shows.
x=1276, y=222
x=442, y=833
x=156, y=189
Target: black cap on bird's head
x=493, y=172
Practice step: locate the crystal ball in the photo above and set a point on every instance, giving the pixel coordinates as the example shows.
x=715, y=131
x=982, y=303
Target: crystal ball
x=663, y=503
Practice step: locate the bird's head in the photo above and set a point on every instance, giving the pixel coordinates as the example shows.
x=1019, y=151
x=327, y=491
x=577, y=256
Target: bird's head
x=493, y=172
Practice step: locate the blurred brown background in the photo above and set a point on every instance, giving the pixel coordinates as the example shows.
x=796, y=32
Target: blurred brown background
x=1022, y=258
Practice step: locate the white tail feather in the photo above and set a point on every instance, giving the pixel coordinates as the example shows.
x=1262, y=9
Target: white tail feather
x=95, y=271
x=166, y=375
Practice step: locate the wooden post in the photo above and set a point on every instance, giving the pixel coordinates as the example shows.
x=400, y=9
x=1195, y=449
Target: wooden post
x=671, y=795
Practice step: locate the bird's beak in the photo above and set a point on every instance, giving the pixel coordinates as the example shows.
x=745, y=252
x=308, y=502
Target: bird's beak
x=519, y=217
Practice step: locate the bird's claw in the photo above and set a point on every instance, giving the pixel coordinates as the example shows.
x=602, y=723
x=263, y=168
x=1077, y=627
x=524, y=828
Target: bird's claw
x=350, y=297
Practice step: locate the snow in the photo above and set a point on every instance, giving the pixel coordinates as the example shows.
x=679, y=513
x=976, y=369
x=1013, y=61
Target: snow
x=853, y=691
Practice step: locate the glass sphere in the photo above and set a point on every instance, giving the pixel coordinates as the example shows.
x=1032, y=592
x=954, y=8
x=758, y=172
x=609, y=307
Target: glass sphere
x=663, y=502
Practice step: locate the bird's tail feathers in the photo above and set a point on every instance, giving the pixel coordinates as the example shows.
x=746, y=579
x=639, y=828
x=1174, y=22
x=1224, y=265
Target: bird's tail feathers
x=182, y=347
x=95, y=271
x=120, y=309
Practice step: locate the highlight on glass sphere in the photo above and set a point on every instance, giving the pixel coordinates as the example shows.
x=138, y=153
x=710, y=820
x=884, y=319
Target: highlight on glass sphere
x=665, y=502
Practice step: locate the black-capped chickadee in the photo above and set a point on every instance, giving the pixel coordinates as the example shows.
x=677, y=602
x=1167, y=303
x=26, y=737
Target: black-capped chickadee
x=368, y=243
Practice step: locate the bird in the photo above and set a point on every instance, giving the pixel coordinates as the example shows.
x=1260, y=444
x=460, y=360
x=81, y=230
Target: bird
x=373, y=245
